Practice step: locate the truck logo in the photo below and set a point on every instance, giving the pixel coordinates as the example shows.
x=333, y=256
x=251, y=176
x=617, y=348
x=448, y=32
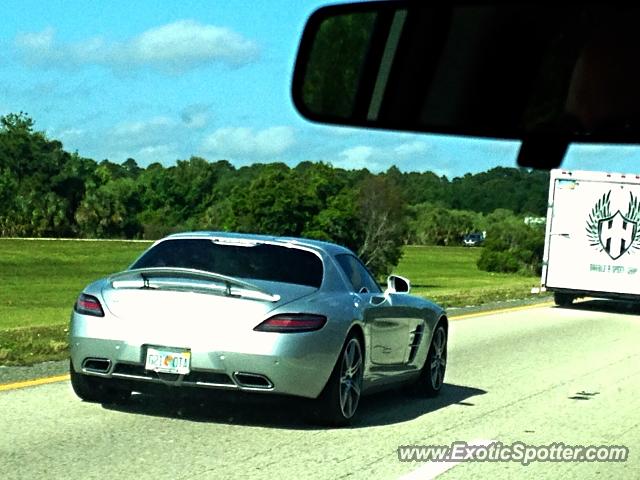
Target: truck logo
x=614, y=233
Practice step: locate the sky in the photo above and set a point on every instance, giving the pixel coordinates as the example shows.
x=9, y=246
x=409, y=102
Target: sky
x=159, y=81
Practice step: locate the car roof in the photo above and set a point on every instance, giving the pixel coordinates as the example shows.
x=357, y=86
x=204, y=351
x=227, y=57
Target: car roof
x=327, y=247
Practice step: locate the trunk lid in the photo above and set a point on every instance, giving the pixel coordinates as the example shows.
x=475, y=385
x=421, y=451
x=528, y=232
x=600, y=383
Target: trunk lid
x=175, y=306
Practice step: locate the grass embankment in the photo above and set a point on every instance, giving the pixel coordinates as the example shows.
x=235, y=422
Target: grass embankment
x=40, y=279
x=39, y=282
x=449, y=276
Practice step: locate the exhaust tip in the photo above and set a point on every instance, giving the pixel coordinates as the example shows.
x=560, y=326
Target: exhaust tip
x=98, y=365
x=252, y=380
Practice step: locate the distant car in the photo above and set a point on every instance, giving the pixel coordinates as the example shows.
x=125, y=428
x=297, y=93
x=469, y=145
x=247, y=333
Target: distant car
x=254, y=313
x=473, y=240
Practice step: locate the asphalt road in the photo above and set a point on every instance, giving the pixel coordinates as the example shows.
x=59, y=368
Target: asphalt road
x=539, y=376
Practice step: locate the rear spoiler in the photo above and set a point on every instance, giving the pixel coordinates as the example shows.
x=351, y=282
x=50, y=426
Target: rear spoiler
x=174, y=278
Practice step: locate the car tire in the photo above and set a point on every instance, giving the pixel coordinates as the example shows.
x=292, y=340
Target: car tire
x=338, y=402
x=431, y=377
x=563, y=299
x=96, y=390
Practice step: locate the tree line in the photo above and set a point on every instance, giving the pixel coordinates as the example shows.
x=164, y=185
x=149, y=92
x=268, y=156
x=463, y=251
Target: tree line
x=46, y=191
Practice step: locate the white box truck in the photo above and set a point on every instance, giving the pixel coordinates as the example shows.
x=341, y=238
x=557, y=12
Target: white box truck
x=592, y=243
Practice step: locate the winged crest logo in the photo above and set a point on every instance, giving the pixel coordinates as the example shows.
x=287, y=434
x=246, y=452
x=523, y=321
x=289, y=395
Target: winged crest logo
x=616, y=233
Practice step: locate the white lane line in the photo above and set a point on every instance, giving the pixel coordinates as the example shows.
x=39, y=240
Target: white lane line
x=431, y=470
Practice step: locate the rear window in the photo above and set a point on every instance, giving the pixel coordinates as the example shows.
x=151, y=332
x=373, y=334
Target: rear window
x=259, y=262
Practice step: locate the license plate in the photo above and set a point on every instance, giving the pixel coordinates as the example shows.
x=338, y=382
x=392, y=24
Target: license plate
x=168, y=360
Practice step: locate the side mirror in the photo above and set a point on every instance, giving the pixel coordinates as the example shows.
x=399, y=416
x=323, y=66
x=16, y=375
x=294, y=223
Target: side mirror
x=398, y=284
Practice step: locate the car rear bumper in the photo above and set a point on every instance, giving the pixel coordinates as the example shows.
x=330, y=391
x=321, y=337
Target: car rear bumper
x=290, y=364
x=279, y=373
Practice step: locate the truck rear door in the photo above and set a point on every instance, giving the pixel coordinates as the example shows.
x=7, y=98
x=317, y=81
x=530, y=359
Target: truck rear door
x=593, y=232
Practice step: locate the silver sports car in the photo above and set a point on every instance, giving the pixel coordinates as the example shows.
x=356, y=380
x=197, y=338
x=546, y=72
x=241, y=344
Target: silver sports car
x=254, y=313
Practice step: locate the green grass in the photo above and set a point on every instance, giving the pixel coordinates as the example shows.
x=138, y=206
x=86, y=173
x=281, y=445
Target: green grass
x=40, y=280
x=28, y=345
x=449, y=276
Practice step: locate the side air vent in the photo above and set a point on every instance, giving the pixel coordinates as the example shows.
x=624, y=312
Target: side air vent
x=415, y=339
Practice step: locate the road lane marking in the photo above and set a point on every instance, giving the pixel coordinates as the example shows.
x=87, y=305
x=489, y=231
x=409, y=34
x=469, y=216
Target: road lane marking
x=501, y=310
x=32, y=383
x=431, y=470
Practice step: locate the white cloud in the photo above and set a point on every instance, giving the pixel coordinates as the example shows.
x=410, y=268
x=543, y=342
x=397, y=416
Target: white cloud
x=174, y=48
x=195, y=116
x=149, y=140
x=233, y=141
x=407, y=156
x=161, y=138
x=156, y=153
x=411, y=148
x=36, y=42
x=153, y=127
x=356, y=157
x=186, y=43
x=154, y=139
x=70, y=133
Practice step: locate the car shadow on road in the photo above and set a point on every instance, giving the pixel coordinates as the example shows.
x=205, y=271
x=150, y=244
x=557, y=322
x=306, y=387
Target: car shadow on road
x=396, y=406
x=232, y=408
x=622, y=307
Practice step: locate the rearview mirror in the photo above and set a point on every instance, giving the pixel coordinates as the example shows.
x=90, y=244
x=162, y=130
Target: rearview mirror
x=539, y=73
x=398, y=284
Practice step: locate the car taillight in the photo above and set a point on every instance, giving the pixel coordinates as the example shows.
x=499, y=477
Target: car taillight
x=292, y=322
x=88, y=305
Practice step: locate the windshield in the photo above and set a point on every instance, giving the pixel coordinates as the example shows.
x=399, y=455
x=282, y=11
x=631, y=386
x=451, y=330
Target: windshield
x=258, y=262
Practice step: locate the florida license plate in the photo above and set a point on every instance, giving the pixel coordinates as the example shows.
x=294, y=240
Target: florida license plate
x=168, y=360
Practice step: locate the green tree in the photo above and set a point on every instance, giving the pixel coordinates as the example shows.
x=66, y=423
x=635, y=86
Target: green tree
x=338, y=221
x=433, y=224
x=275, y=203
x=511, y=245
x=110, y=210
x=519, y=190
x=29, y=163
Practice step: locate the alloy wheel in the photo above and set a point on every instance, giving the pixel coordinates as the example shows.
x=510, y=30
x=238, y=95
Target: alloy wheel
x=438, y=358
x=350, y=377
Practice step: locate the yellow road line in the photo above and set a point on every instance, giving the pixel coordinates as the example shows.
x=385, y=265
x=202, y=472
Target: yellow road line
x=33, y=383
x=501, y=310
